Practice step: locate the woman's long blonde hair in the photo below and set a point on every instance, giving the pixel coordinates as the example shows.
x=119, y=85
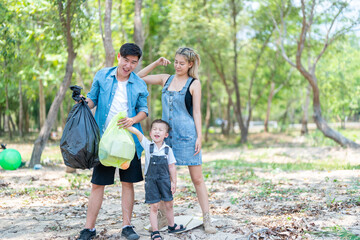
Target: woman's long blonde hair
x=192, y=57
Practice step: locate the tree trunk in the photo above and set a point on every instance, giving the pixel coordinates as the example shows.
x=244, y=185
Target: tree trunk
x=148, y=120
x=284, y=117
x=208, y=105
x=304, y=121
x=343, y=120
x=271, y=94
x=21, y=111
x=324, y=127
x=311, y=78
x=7, y=113
x=243, y=128
x=27, y=117
x=42, y=104
x=318, y=119
x=62, y=117
x=138, y=29
x=125, y=37
x=107, y=40
x=40, y=142
x=1, y=123
x=80, y=80
x=226, y=125
x=13, y=125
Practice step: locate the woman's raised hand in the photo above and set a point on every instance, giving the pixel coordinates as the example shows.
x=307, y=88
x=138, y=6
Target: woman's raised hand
x=162, y=61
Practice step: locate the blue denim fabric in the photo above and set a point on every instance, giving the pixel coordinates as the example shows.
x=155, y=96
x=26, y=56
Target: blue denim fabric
x=157, y=180
x=182, y=137
x=102, y=94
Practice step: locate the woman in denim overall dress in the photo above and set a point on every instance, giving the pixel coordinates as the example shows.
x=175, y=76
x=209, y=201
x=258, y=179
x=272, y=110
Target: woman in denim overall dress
x=181, y=97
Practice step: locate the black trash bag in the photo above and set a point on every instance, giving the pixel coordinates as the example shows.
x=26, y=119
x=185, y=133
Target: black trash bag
x=81, y=137
x=76, y=93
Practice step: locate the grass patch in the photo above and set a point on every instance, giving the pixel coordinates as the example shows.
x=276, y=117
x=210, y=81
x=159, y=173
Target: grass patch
x=337, y=231
x=242, y=172
x=297, y=166
x=32, y=192
x=268, y=189
x=218, y=141
x=77, y=180
x=315, y=138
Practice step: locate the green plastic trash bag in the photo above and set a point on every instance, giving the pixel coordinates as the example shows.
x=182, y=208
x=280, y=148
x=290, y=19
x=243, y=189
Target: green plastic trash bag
x=117, y=147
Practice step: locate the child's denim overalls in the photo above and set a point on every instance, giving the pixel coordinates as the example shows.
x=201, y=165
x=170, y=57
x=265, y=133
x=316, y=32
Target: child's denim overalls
x=157, y=179
x=182, y=136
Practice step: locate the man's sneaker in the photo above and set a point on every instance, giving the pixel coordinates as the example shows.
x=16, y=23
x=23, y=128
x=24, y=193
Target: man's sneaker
x=129, y=233
x=86, y=234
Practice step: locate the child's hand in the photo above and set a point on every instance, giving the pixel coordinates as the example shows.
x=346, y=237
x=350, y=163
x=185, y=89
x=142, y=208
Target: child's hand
x=134, y=131
x=173, y=187
x=131, y=129
x=125, y=122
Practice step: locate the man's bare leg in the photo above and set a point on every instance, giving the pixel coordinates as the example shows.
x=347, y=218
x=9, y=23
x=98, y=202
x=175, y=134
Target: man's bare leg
x=94, y=205
x=127, y=202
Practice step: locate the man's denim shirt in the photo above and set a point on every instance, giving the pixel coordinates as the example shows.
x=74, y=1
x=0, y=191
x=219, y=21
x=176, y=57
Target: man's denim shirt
x=102, y=94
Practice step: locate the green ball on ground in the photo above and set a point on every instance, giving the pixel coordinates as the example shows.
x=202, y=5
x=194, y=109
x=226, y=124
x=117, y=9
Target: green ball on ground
x=10, y=159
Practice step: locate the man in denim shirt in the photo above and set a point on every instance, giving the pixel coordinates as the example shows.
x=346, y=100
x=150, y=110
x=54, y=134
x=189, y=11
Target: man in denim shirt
x=113, y=90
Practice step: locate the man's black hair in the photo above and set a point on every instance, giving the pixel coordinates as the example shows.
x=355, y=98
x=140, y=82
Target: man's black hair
x=161, y=121
x=130, y=49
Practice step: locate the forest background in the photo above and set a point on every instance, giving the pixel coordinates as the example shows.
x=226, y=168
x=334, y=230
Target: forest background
x=281, y=68
x=261, y=60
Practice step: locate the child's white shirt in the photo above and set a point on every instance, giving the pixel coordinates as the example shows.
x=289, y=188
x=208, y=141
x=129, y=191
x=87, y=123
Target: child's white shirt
x=145, y=143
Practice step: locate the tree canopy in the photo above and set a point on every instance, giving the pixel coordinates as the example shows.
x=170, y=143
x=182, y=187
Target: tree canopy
x=245, y=47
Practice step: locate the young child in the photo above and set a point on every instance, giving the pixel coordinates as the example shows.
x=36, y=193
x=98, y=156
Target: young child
x=160, y=175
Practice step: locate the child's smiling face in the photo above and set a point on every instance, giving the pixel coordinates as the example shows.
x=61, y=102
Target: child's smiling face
x=158, y=132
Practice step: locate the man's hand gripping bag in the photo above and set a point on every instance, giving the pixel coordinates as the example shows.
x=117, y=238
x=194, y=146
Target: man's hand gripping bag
x=117, y=147
x=81, y=136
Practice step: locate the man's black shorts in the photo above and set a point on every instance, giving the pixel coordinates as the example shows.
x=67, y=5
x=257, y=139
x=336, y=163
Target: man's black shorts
x=105, y=175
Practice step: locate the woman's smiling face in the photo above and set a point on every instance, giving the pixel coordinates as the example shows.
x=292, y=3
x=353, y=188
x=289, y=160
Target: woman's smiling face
x=181, y=65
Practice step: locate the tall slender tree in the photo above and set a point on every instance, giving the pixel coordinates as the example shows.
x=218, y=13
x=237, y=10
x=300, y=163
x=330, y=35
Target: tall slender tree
x=138, y=29
x=68, y=11
x=331, y=34
x=107, y=40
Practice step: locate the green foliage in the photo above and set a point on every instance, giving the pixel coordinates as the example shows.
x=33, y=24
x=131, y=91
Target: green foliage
x=341, y=88
x=32, y=48
x=337, y=231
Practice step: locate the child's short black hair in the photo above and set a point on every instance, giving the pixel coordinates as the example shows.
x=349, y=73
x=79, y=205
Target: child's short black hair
x=130, y=49
x=161, y=121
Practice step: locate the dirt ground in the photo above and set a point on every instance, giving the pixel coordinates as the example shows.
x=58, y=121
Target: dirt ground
x=253, y=200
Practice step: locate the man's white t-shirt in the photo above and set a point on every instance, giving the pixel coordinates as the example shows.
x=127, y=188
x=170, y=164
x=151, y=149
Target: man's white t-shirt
x=119, y=103
x=145, y=143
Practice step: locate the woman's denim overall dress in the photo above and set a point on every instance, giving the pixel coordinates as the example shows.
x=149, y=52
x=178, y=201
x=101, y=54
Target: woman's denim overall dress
x=182, y=136
x=157, y=179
